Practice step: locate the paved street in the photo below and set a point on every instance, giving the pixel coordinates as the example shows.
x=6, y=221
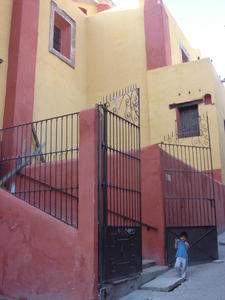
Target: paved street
x=206, y=281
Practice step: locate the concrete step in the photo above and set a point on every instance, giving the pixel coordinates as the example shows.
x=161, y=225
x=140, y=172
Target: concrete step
x=119, y=288
x=147, y=263
x=163, y=283
x=151, y=273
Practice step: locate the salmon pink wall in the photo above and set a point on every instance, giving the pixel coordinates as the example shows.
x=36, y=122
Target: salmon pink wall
x=43, y=258
x=157, y=35
x=153, y=205
x=153, y=242
x=218, y=175
x=22, y=62
x=103, y=7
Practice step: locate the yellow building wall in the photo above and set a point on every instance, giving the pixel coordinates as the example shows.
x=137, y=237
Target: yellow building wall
x=177, y=84
x=219, y=91
x=176, y=38
x=117, y=59
x=60, y=89
x=91, y=8
x=5, y=25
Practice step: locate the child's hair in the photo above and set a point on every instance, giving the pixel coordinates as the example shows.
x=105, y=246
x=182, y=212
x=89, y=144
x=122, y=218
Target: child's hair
x=184, y=233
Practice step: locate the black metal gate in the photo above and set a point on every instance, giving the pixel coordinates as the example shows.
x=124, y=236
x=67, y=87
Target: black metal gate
x=189, y=194
x=119, y=191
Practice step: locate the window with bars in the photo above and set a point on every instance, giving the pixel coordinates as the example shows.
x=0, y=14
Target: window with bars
x=188, y=122
x=62, y=35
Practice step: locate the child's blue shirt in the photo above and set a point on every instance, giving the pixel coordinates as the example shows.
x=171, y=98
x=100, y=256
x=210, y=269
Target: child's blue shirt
x=181, y=250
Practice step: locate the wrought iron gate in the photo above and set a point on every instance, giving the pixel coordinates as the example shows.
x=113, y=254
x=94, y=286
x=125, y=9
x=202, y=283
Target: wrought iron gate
x=188, y=190
x=119, y=191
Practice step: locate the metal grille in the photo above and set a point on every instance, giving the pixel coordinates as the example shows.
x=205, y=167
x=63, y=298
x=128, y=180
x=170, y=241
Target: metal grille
x=121, y=172
x=119, y=186
x=39, y=164
x=188, y=191
x=188, y=185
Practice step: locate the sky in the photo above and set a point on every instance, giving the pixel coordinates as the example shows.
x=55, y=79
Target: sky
x=202, y=22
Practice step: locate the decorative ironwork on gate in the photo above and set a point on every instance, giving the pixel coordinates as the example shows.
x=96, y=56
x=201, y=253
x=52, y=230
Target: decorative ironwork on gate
x=125, y=103
x=188, y=189
x=192, y=137
x=119, y=186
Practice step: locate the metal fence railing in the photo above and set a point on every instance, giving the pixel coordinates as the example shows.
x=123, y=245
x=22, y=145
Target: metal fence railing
x=39, y=164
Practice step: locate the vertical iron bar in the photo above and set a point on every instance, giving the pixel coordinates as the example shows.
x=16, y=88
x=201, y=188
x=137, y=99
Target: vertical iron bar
x=66, y=187
x=105, y=181
x=45, y=162
x=72, y=190
x=77, y=183
x=61, y=171
x=56, y=154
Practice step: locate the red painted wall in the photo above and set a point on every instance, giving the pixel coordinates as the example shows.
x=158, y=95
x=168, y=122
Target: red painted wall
x=153, y=204
x=218, y=175
x=157, y=37
x=102, y=7
x=41, y=257
x=153, y=242
x=22, y=61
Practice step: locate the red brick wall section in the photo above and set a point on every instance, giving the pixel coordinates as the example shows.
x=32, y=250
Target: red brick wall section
x=153, y=242
x=43, y=258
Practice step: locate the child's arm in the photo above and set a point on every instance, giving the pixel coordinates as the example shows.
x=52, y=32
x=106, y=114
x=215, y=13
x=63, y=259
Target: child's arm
x=186, y=246
x=175, y=244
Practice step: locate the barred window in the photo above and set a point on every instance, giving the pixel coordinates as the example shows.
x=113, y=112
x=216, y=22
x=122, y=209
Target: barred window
x=62, y=35
x=188, y=123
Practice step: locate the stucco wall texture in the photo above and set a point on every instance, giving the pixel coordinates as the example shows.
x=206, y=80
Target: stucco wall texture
x=153, y=204
x=5, y=22
x=110, y=54
x=43, y=258
x=182, y=83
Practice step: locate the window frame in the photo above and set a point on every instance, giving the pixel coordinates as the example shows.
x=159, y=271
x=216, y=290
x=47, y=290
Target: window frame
x=181, y=133
x=55, y=9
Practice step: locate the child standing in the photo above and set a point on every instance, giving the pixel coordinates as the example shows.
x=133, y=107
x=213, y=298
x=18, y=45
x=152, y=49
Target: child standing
x=182, y=246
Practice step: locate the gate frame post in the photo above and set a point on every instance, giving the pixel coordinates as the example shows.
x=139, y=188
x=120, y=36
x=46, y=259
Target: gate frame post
x=88, y=188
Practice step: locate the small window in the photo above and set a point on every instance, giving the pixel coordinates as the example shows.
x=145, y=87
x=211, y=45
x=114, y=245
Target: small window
x=62, y=35
x=84, y=10
x=188, y=122
x=184, y=55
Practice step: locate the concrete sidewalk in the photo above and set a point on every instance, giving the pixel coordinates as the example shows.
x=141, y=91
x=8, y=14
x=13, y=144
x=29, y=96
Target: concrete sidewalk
x=205, y=281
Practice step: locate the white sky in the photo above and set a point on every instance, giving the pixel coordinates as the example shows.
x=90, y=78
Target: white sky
x=203, y=23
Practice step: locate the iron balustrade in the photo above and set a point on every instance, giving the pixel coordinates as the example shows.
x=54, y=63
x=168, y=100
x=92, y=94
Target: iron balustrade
x=39, y=164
